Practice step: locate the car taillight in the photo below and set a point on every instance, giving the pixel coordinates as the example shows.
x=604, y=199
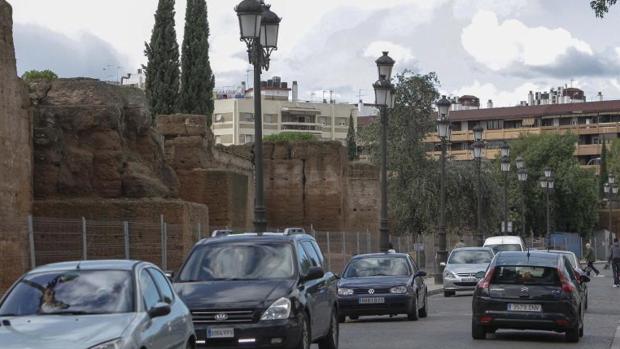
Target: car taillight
x=567, y=286
x=486, y=281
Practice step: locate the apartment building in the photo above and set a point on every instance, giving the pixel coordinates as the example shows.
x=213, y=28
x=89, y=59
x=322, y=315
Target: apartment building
x=594, y=123
x=233, y=117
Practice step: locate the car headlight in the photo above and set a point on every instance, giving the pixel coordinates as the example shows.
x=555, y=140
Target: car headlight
x=398, y=289
x=449, y=275
x=113, y=344
x=344, y=291
x=280, y=309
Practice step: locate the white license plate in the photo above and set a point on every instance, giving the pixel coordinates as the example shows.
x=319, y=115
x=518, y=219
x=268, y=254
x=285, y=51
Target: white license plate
x=220, y=332
x=372, y=300
x=470, y=280
x=525, y=307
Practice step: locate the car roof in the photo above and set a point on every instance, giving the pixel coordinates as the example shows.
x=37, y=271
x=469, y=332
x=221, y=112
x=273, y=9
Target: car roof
x=109, y=264
x=384, y=254
x=500, y=240
x=562, y=251
x=477, y=248
x=533, y=258
x=249, y=237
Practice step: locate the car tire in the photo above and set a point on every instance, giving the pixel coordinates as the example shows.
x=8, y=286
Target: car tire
x=342, y=318
x=423, y=312
x=190, y=345
x=572, y=335
x=478, y=331
x=305, y=336
x=448, y=293
x=353, y=317
x=330, y=341
x=413, y=315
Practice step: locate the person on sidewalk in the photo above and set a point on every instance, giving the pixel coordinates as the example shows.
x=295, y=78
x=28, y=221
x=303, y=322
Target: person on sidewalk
x=614, y=259
x=588, y=255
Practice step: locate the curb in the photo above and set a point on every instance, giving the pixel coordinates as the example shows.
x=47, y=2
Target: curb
x=440, y=290
x=615, y=343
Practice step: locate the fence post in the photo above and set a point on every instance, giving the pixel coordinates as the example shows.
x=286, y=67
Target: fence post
x=126, y=236
x=358, y=242
x=84, y=241
x=329, y=253
x=162, y=241
x=344, y=244
x=199, y=231
x=368, y=243
x=33, y=261
x=400, y=249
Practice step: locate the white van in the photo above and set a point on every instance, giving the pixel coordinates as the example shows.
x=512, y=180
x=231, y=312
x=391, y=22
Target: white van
x=505, y=243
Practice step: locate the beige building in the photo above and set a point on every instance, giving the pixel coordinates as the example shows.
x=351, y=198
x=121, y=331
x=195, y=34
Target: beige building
x=233, y=117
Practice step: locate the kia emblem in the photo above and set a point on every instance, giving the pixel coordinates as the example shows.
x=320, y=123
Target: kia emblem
x=371, y=291
x=221, y=317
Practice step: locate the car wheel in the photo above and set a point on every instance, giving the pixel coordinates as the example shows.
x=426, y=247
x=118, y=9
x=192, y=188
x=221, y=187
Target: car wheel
x=423, y=312
x=448, y=293
x=478, y=331
x=572, y=335
x=413, y=315
x=330, y=341
x=342, y=318
x=304, y=340
x=190, y=345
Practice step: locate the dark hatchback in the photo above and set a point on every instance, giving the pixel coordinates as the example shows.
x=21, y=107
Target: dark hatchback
x=260, y=291
x=529, y=291
x=382, y=284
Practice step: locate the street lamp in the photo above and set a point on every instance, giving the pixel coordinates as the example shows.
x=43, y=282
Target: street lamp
x=611, y=190
x=547, y=183
x=505, y=167
x=384, y=99
x=520, y=163
x=259, y=28
x=443, y=131
x=478, y=148
x=522, y=176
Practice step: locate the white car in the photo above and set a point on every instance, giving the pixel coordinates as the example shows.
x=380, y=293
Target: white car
x=505, y=243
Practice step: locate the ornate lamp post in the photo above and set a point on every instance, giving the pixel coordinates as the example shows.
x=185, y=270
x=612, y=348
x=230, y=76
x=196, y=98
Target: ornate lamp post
x=384, y=99
x=547, y=183
x=443, y=131
x=522, y=176
x=505, y=166
x=611, y=190
x=259, y=28
x=478, y=148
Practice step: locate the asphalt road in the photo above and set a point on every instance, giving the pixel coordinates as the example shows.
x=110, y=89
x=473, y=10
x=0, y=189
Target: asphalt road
x=449, y=326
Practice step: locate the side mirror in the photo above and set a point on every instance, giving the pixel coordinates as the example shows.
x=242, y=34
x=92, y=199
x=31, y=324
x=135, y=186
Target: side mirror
x=420, y=274
x=584, y=278
x=443, y=264
x=160, y=309
x=169, y=274
x=314, y=273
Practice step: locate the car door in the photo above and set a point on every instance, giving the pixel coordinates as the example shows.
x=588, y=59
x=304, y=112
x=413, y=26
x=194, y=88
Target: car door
x=323, y=296
x=418, y=283
x=177, y=320
x=573, y=277
x=311, y=289
x=155, y=333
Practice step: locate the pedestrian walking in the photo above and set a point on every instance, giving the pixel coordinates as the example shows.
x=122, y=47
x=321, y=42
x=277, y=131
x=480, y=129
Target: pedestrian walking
x=589, y=257
x=614, y=259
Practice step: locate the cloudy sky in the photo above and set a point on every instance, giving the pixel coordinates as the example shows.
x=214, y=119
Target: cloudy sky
x=494, y=49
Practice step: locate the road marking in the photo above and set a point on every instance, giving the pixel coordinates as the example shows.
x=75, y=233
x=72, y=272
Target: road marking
x=615, y=344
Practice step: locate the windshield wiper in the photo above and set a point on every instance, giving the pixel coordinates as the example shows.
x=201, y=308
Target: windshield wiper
x=71, y=312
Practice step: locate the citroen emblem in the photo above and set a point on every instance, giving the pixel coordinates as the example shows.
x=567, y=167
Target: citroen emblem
x=221, y=317
x=371, y=291
x=524, y=290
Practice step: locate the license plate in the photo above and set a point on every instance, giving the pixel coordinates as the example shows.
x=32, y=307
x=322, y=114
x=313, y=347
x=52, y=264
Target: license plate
x=220, y=332
x=372, y=300
x=525, y=307
x=470, y=280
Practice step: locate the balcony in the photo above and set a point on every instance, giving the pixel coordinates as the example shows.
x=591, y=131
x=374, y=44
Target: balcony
x=588, y=149
x=489, y=135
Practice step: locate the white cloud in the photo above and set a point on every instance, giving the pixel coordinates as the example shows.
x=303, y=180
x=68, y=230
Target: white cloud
x=466, y=9
x=398, y=52
x=501, y=45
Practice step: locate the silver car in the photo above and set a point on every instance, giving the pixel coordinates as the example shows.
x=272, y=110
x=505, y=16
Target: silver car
x=465, y=267
x=94, y=305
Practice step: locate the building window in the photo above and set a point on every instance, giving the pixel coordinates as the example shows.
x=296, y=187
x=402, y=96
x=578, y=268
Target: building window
x=219, y=118
x=245, y=139
x=493, y=125
x=270, y=118
x=218, y=139
x=547, y=122
x=247, y=117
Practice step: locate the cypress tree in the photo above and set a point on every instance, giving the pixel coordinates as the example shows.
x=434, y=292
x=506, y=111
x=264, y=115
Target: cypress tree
x=197, y=79
x=351, y=145
x=162, y=70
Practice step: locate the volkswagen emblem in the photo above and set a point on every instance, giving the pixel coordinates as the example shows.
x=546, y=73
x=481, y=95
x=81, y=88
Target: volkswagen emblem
x=221, y=317
x=371, y=291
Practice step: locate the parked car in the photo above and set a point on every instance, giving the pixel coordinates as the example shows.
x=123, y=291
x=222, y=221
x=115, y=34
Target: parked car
x=260, y=290
x=382, y=284
x=95, y=305
x=529, y=291
x=505, y=243
x=574, y=262
x=465, y=267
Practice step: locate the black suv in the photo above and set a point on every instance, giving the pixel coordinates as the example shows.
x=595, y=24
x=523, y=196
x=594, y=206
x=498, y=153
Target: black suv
x=260, y=290
x=529, y=291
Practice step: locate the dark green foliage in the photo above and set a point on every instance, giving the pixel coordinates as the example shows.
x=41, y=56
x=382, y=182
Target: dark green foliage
x=197, y=79
x=32, y=75
x=601, y=7
x=289, y=137
x=162, y=70
x=351, y=145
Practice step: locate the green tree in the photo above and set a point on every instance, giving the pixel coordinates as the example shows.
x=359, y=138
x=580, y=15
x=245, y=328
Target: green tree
x=197, y=79
x=289, y=137
x=601, y=7
x=613, y=160
x=32, y=75
x=162, y=69
x=351, y=145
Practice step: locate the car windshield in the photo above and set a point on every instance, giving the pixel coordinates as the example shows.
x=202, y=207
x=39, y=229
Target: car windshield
x=531, y=275
x=377, y=266
x=505, y=247
x=73, y=292
x=239, y=261
x=470, y=257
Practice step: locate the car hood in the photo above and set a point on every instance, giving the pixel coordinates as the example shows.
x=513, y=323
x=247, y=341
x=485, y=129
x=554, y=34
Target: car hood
x=467, y=268
x=374, y=281
x=62, y=331
x=232, y=294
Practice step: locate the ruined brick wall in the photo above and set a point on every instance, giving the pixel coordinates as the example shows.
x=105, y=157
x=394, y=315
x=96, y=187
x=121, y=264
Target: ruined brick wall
x=15, y=158
x=362, y=198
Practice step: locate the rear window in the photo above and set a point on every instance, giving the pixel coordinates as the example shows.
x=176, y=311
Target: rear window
x=525, y=275
x=505, y=247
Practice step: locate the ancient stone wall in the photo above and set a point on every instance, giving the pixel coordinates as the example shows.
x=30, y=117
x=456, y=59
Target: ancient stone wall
x=15, y=158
